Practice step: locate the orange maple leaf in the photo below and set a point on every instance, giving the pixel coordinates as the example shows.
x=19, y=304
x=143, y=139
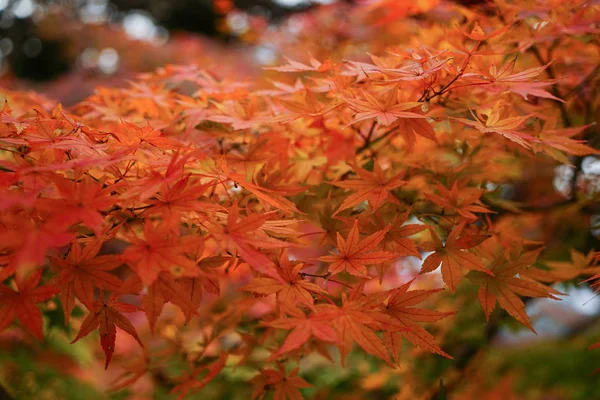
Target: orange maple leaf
x=373, y=187
x=292, y=290
x=400, y=307
x=354, y=254
x=490, y=121
x=464, y=202
x=243, y=235
x=358, y=320
x=385, y=113
x=452, y=255
x=303, y=328
x=295, y=66
x=507, y=282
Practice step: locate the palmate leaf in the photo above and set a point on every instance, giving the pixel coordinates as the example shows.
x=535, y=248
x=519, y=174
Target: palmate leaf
x=358, y=320
x=21, y=304
x=400, y=306
x=285, y=386
x=185, y=293
x=107, y=317
x=243, y=236
x=491, y=121
x=190, y=382
x=505, y=286
x=203, y=180
x=373, y=187
x=161, y=249
x=453, y=255
x=303, y=328
x=385, y=112
x=81, y=272
x=292, y=291
x=355, y=254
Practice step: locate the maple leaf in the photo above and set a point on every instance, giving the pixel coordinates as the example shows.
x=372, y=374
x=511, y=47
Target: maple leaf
x=285, y=385
x=408, y=127
x=282, y=88
x=354, y=254
x=557, y=142
x=464, y=202
x=25, y=245
x=357, y=320
x=519, y=82
x=155, y=181
x=107, y=317
x=19, y=123
x=295, y=66
x=271, y=187
x=308, y=106
x=373, y=187
x=135, y=136
x=303, y=328
x=489, y=121
x=240, y=117
x=186, y=293
x=244, y=160
x=453, y=255
x=79, y=201
x=179, y=198
x=400, y=307
x=291, y=290
x=161, y=250
x=243, y=236
x=397, y=233
x=508, y=282
x=189, y=382
x=396, y=237
x=385, y=113
x=21, y=304
x=81, y=271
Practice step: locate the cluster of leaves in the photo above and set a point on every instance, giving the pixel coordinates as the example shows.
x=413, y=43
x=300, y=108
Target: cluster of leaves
x=280, y=219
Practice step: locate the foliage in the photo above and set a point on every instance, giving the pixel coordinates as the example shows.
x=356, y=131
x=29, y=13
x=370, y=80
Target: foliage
x=282, y=217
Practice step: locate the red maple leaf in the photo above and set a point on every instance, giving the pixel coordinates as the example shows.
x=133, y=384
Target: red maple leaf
x=106, y=317
x=21, y=304
x=81, y=271
x=190, y=382
x=285, y=385
x=162, y=249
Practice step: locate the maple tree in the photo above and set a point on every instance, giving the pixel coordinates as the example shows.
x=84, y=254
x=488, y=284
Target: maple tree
x=287, y=222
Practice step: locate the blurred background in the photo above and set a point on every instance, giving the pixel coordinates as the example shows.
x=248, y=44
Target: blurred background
x=64, y=49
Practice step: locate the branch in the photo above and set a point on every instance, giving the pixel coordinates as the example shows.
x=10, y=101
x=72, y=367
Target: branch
x=370, y=143
x=4, y=395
